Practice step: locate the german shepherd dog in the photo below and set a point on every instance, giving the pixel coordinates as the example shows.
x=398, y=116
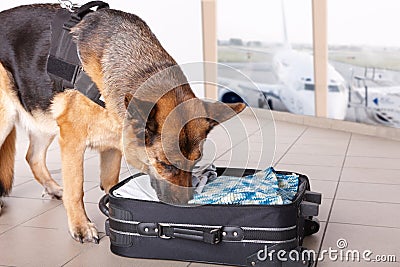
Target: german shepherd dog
x=119, y=53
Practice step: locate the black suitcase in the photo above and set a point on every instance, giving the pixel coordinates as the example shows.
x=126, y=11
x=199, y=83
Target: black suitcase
x=220, y=234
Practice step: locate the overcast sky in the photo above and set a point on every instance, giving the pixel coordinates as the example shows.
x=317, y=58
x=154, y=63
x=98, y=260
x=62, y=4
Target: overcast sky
x=356, y=22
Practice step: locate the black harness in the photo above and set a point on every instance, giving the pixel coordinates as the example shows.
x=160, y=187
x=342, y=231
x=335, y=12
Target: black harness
x=63, y=64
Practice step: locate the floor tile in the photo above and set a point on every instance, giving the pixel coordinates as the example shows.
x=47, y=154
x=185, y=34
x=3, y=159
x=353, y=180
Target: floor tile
x=57, y=218
x=312, y=132
x=380, y=240
x=229, y=133
x=369, y=138
x=311, y=159
x=93, y=195
x=242, y=155
x=374, y=148
x=33, y=189
x=289, y=129
x=313, y=242
x=325, y=133
x=93, y=161
x=304, y=140
x=5, y=227
x=101, y=255
x=267, y=130
x=19, y=210
x=279, y=139
x=258, y=165
x=26, y=246
x=53, y=156
x=18, y=180
x=363, y=175
x=366, y=213
x=313, y=172
x=372, y=163
x=369, y=192
x=249, y=146
x=54, y=145
x=324, y=209
x=91, y=172
x=282, y=146
x=322, y=149
x=22, y=169
x=326, y=188
x=278, y=156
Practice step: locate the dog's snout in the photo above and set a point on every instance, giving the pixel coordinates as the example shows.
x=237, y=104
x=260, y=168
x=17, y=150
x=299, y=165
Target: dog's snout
x=172, y=193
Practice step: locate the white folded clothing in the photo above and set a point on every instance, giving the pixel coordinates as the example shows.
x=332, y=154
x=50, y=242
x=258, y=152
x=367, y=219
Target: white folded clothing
x=140, y=187
x=137, y=188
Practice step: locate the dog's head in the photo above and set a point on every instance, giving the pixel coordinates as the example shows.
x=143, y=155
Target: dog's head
x=165, y=139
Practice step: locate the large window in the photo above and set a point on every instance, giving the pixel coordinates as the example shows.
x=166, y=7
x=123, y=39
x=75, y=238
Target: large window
x=364, y=48
x=270, y=42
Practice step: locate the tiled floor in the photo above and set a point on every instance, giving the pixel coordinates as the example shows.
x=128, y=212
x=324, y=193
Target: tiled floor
x=359, y=177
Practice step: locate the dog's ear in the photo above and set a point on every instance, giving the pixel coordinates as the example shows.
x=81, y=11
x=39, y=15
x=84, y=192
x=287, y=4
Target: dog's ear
x=219, y=112
x=141, y=115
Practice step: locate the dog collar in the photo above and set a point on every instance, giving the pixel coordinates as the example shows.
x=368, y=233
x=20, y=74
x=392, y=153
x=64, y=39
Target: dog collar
x=63, y=63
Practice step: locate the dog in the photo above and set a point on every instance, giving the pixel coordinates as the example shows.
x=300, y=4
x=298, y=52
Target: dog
x=120, y=54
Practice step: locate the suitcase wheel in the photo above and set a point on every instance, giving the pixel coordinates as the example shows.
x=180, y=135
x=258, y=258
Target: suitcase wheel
x=311, y=226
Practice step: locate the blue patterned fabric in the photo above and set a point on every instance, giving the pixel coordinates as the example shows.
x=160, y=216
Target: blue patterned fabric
x=262, y=188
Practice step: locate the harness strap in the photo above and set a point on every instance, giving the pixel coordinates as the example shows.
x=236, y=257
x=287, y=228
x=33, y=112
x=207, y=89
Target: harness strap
x=85, y=9
x=64, y=65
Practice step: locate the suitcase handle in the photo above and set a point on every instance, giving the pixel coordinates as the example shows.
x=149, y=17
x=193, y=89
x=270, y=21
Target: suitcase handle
x=103, y=205
x=210, y=236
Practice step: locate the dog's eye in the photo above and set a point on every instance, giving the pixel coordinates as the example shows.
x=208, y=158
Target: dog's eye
x=167, y=167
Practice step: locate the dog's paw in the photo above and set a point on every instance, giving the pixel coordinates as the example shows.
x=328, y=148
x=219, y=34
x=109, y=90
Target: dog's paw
x=55, y=192
x=85, y=232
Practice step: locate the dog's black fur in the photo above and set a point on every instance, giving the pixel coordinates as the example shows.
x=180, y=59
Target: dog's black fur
x=25, y=41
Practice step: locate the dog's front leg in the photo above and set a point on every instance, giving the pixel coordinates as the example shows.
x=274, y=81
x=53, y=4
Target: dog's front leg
x=110, y=164
x=72, y=144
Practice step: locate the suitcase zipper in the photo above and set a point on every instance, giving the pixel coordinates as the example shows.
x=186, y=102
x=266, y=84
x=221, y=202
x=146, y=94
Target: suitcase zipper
x=205, y=233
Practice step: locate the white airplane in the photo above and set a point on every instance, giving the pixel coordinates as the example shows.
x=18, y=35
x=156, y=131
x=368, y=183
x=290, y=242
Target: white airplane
x=295, y=90
x=375, y=104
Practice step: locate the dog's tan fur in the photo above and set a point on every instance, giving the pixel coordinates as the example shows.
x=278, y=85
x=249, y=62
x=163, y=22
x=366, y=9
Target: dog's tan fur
x=7, y=151
x=7, y=134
